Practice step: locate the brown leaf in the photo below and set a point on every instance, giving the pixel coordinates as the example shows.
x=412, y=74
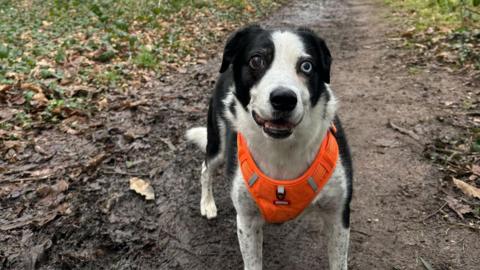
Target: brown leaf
x=458, y=207
x=409, y=33
x=39, y=220
x=4, y=88
x=8, y=113
x=80, y=90
x=31, y=87
x=137, y=132
x=467, y=189
x=42, y=172
x=96, y=160
x=74, y=124
x=39, y=99
x=142, y=187
x=60, y=186
x=475, y=169
x=102, y=104
x=17, y=145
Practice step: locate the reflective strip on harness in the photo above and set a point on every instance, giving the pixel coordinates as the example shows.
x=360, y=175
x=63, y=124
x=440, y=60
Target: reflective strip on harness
x=252, y=180
x=312, y=184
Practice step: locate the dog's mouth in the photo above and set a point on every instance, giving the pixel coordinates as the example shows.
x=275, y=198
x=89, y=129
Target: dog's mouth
x=276, y=128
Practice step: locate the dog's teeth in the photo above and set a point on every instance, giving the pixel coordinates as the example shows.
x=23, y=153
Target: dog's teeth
x=273, y=126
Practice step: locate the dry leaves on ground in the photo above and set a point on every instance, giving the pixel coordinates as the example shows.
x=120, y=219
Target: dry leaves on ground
x=467, y=189
x=142, y=187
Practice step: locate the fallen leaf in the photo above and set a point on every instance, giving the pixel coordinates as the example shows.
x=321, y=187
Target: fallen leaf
x=467, y=189
x=60, y=186
x=74, y=125
x=409, y=33
x=39, y=220
x=42, y=172
x=31, y=87
x=142, y=187
x=137, y=132
x=169, y=144
x=4, y=88
x=476, y=169
x=96, y=160
x=8, y=113
x=102, y=104
x=39, y=99
x=458, y=207
x=426, y=264
x=387, y=143
x=37, y=253
x=17, y=145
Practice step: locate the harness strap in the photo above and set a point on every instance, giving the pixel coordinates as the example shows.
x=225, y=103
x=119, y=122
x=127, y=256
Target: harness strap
x=283, y=200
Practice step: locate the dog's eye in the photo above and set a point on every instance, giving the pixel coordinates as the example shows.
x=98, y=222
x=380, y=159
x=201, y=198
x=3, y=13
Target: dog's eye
x=256, y=62
x=306, y=67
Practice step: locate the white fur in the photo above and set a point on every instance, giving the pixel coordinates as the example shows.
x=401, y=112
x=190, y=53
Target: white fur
x=282, y=73
x=198, y=135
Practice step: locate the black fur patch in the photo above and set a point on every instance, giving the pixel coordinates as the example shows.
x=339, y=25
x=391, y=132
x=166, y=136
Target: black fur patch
x=346, y=159
x=240, y=47
x=317, y=48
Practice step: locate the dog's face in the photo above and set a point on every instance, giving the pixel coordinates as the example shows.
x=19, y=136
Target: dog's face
x=279, y=76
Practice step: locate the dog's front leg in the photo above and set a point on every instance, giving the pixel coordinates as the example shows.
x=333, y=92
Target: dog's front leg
x=250, y=237
x=338, y=238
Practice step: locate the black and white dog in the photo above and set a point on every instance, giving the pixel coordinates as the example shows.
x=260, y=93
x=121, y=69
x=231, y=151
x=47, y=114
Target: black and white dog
x=274, y=90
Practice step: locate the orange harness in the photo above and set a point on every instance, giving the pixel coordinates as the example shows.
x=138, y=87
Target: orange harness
x=283, y=200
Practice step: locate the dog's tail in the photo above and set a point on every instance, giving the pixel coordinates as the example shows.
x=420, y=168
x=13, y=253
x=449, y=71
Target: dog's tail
x=198, y=135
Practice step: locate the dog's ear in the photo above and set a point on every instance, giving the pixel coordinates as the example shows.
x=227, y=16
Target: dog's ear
x=324, y=60
x=234, y=43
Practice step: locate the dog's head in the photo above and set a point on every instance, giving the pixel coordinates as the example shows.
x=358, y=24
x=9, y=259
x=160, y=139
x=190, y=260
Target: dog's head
x=279, y=76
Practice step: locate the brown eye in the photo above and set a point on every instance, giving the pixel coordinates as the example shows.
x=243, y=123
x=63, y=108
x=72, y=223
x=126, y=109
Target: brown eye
x=256, y=62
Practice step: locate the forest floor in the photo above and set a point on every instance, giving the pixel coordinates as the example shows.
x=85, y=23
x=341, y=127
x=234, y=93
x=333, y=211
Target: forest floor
x=65, y=200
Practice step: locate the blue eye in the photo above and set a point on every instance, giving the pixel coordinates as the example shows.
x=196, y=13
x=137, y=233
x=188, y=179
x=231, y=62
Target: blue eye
x=306, y=67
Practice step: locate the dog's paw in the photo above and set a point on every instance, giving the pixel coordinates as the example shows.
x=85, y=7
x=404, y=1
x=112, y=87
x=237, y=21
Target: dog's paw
x=208, y=209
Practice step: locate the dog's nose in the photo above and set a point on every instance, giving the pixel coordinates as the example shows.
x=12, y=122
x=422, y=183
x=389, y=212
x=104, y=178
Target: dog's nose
x=283, y=99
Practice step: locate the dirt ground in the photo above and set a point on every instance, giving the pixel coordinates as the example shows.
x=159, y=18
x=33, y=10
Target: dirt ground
x=97, y=223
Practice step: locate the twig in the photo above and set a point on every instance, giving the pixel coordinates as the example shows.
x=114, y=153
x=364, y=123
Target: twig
x=474, y=113
x=124, y=173
x=455, y=211
x=465, y=225
x=434, y=213
x=405, y=131
x=33, y=178
x=447, y=151
x=360, y=232
x=473, y=11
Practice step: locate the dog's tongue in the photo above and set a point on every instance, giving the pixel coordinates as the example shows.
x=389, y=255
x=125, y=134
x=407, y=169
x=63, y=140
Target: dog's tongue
x=277, y=125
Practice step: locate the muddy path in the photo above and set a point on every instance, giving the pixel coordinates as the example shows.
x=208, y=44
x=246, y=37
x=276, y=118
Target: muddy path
x=106, y=226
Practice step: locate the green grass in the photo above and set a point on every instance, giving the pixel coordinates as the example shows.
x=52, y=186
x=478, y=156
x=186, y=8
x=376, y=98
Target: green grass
x=107, y=44
x=448, y=30
x=55, y=29
x=107, y=31
x=436, y=13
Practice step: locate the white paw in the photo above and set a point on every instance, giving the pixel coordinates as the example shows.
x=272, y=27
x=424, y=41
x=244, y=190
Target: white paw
x=208, y=208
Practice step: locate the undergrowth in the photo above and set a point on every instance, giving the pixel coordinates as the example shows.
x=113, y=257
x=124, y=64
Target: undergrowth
x=443, y=31
x=60, y=57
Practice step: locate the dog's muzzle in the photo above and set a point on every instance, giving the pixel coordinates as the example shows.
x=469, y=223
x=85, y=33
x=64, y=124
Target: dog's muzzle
x=278, y=128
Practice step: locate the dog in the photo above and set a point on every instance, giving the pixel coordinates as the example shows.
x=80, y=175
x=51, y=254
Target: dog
x=273, y=103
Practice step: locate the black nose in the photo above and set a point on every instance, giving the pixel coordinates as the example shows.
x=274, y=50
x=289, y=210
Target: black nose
x=283, y=99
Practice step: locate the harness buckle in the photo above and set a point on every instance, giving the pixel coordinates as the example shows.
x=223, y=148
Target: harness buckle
x=281, y=194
